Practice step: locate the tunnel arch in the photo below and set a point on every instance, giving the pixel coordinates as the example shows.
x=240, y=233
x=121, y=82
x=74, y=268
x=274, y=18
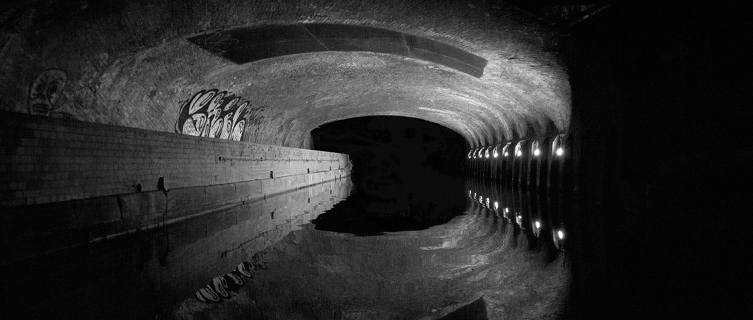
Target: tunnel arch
x=136, y=63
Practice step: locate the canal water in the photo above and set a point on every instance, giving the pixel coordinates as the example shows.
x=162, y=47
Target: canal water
x=463, y=250
x=451, y=249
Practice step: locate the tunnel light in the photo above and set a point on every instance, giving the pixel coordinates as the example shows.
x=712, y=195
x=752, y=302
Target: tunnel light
x=496, y=154
x=520, y=153
x=537, y=224
x=560, y=151
x=487, y=155
x=496, y=205
x=507, y=154
x=560, y=234
x=507, y=210
x=536, y=153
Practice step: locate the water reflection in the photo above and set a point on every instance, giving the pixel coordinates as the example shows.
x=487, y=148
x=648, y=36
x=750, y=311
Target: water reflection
x=146, y=274
x=452, y=250
x=540, y=214
x=482, y=262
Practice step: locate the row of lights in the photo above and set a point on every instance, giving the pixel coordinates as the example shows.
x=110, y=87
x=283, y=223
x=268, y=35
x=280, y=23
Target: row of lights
x=560, y=234
x=483, y=152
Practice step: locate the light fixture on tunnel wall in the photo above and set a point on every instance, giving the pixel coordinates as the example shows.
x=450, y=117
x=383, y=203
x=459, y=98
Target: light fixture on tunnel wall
x=519, y=149
x=496, y=205
x=470, y=154
x=495, y=153
x=535, y=148
x=557, y=146
x=505, y=150
x=537, y=224
x=486, y=152
x=559, y=238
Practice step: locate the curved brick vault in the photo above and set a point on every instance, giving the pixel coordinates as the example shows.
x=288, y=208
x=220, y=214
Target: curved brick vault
x=477, y=67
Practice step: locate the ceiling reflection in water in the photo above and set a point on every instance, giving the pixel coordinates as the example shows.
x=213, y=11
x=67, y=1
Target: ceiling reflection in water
x=454, y=250
x=501, y=255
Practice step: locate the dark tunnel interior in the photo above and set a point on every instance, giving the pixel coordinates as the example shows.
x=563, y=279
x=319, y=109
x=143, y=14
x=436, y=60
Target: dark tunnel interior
x=407, y=173
x=393, y=159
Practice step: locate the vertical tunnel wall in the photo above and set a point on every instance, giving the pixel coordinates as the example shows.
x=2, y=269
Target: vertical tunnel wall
x=67, y=182
x=542, y=164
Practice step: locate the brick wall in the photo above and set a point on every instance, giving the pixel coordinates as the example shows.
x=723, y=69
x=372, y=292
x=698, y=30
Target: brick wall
x=46, y=160
x=66, y=181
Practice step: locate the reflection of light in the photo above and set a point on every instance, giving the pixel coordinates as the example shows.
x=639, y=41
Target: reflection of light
x=506, y=154
x=481, y=198
x=474, y=195
x=496, y=205
x=487, y=155
x=536, y=152
x=520, y=153
x=495, y=154
x=560, y=151
x=507, y=210
x=538, y=224
x=561, y=234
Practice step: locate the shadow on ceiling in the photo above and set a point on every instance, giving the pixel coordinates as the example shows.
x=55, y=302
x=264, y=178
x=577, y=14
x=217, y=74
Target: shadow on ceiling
x=244, y=45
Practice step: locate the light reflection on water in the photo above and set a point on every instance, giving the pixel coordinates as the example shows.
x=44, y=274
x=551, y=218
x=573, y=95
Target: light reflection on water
x=502, y=262
x=482, y=255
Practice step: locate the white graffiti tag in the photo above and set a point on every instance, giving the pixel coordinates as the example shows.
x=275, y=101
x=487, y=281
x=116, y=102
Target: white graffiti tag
x=214, y=114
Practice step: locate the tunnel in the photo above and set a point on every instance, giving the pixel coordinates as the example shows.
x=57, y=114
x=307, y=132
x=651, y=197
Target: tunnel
x=387, y=159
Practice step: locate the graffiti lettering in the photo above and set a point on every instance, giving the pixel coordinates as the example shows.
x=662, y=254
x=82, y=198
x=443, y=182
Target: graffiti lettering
x=45, y=91
x=214, y=114
x=223, y=286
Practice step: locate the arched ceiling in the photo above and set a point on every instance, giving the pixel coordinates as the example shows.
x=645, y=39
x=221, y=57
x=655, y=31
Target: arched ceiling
x=477, y=67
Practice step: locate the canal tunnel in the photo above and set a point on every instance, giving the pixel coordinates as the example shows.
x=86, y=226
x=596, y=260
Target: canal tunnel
x=504, y=144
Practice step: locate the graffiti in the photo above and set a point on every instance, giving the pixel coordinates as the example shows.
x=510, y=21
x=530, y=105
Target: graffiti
x=45, y=91
x=214, y=114
x=223, y=286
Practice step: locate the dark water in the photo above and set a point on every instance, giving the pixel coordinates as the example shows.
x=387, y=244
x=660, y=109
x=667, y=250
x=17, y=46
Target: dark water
x=450, y=256
x=451, y=250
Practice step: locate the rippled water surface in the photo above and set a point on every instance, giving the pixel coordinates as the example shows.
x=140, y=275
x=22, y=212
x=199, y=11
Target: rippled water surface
x=441, y=249
x=480, y=253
